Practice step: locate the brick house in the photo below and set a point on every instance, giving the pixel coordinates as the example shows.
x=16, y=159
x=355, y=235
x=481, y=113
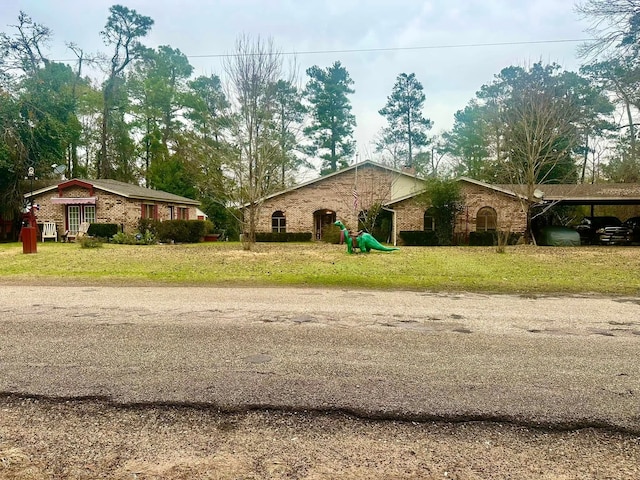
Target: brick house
x=71, y=202
x=314, y=205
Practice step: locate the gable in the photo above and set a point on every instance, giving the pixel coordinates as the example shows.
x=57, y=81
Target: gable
x=397, y=182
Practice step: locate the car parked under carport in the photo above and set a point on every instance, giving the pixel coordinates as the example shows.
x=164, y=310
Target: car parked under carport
x=558, y=236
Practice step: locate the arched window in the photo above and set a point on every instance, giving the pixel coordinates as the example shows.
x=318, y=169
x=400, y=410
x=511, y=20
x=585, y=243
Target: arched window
x=278, y=222
x=486, y=220
x=430, y=220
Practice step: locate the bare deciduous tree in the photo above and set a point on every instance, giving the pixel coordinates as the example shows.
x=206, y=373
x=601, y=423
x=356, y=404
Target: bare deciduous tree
x=614, y=25
x=541, y=136
x=252, y=71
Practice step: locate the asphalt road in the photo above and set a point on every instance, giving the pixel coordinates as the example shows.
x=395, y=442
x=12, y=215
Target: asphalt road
x=561, y=362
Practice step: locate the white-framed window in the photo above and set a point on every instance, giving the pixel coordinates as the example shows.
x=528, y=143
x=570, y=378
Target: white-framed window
x=486, y=220
x=278, y=222
x=89, y=213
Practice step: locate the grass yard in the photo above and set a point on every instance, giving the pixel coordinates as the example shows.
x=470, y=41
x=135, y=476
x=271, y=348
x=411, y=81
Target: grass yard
x=522, y=270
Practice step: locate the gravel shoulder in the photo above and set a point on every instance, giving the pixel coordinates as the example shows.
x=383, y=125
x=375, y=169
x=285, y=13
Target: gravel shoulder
x=40, y=439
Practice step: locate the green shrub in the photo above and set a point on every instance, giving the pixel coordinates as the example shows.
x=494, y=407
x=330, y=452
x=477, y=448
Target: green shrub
x=331, y=234
x=148, y=224
x=89, y=242
x=209, y=227
x=180, y=231
x=489, y=239
x=283, y=237
x=418, y=238
x=482, y=239
x=102, y=230
x=147, y=238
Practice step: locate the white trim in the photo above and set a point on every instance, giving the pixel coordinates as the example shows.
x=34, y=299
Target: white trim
x=74, y=200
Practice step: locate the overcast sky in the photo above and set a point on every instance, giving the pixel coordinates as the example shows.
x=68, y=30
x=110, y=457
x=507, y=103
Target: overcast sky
x=449, y=67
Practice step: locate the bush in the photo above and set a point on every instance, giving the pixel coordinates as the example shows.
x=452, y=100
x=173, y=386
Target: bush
x=331, y=234
x=283, y=237
x=102, y=230
x=89, y=242
x=180, y=231
x=148, y=224
x=418, y=238
x=482, y=239
x=147, y=238
x=489, y=239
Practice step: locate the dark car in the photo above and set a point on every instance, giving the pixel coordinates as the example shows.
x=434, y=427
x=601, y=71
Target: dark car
x=603, y=230
x=634, y=224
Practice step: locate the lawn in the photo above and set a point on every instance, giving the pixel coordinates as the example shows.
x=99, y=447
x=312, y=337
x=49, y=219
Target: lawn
x=522, y=269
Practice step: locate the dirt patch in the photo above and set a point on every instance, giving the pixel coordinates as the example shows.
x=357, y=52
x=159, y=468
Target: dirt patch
x=41, y=439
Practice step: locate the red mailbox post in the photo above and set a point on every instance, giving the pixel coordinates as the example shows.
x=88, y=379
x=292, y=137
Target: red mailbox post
x=29, y=232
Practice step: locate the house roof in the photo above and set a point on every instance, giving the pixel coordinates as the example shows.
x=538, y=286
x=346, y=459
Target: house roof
x=585, y=193
x=355, y=166
x=575, y=194
x=122, y=189
x=497, y=188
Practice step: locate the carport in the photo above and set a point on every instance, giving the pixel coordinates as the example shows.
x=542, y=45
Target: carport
x=590, y=194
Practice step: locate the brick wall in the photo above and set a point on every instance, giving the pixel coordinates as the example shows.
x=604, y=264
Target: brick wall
x=333, y=194
x=374, y=184
x=510, y=213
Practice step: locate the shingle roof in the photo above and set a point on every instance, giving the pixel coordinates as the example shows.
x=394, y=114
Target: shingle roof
x=135, y=191
x=584, y=192
x=126, y=190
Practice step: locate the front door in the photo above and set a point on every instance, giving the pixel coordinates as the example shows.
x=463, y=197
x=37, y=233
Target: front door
x=76, y=214
x=322, y=219
x=73, y=218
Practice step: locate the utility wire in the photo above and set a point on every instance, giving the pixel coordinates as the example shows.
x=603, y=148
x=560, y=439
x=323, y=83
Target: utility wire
x=388, y=49
x=397, y=49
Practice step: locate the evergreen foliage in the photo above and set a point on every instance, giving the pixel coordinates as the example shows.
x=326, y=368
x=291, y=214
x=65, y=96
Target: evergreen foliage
x=406, y=130
x=332, y=122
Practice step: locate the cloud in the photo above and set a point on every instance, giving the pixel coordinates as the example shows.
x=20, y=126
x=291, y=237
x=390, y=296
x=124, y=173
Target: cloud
x=450, y=76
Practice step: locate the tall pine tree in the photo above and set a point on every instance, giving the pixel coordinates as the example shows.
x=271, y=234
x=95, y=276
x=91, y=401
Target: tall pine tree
x=332, y=122
x=406, y=126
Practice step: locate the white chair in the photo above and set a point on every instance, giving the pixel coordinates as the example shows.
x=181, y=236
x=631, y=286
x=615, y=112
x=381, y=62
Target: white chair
x=49, y=230
x=82, y=231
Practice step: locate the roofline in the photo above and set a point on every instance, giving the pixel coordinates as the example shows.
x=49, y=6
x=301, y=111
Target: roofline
x=492, y=187
x=337, y=172
x=463, y=179
x=184, y=200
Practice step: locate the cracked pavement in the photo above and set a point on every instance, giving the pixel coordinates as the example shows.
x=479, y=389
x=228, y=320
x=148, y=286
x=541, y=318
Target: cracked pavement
x=557, y=362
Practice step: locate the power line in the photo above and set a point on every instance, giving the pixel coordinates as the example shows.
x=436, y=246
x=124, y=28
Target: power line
x=388, y=49
x=396, y=49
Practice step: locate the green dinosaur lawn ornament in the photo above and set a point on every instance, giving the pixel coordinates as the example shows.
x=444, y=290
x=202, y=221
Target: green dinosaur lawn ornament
x=364, y=241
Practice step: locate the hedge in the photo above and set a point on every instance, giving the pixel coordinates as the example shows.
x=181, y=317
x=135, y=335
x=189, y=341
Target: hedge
x=180, y=231
x=489, y=239
x=418, y=238
x=283, y=237
x=177, y=231
x=102, y=230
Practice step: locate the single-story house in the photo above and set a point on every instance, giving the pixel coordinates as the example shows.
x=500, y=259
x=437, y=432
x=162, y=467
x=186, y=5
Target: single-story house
x=72, y=202
x=313, y=206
